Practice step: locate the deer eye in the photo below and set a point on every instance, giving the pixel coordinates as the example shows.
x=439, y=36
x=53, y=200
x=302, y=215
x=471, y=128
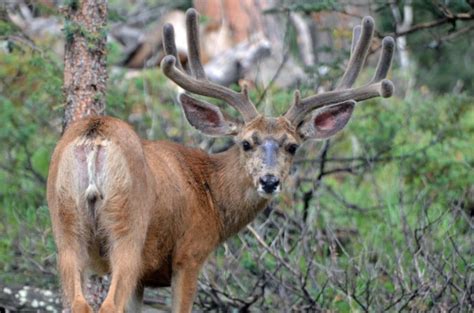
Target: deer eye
x=246, y=145
x=292, y=148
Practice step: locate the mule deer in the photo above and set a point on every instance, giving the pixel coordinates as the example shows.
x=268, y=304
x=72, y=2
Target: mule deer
x=150, y=212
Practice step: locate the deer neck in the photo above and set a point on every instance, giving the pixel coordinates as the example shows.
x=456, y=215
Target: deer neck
x=234, y=195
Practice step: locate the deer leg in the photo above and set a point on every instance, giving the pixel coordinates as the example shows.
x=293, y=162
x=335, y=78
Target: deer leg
x=184, y=285
x=72, y=255
x=71, y=268
x=125, y=265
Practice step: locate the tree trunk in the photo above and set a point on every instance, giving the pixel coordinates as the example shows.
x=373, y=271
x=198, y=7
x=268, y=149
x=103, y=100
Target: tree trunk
x=85, y=73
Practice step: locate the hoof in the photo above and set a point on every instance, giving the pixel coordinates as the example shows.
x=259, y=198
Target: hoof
x=81, y=306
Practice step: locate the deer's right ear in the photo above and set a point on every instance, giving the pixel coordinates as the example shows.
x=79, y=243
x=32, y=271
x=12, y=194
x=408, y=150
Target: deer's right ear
x=207, y=118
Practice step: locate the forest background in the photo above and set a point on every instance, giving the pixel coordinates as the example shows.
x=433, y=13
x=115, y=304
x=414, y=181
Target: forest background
x=379, y=218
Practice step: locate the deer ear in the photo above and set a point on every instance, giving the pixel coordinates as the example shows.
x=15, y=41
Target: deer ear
x=207, y=118
x=326, y=122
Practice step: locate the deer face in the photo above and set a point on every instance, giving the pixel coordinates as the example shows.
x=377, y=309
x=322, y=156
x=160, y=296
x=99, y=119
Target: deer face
x=267, y=147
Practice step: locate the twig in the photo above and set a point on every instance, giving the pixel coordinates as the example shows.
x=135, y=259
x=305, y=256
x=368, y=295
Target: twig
x=270, y=250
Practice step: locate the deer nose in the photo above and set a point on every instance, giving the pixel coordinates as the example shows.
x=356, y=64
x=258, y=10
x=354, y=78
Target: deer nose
x=269, y=183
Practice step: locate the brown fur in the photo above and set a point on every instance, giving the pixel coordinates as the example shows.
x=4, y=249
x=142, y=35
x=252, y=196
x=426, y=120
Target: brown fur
x=163, y=208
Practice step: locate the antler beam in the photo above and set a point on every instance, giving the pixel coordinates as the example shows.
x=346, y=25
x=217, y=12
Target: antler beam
x=197, y=82
x=378, y=86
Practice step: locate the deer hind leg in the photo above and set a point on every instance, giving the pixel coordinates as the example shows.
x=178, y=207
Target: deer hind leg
x=71, y=268
x=125, y=264
x=71, y=276
x=70, y=236
x=126, y=229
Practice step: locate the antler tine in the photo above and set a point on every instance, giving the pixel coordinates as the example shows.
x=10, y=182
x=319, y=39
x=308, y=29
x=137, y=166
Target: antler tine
x=359, y=53
x=194, y=54
x=385, y=59
x=199, y=84
x=377, y=87
x=169, y=43
x=355, y=37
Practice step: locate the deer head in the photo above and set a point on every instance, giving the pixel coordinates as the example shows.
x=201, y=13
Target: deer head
x=268, y=144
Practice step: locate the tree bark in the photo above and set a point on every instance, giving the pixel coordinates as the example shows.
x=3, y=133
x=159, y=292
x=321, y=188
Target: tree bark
x=85, y=73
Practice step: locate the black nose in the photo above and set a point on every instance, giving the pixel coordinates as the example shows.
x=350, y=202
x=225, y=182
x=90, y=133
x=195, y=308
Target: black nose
x=269, y=183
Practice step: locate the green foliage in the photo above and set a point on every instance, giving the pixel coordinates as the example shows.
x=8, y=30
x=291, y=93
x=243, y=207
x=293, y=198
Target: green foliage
x=451, y=59
x=6, y=28
x=442, y=64
x=306, y=6
x=30, y=88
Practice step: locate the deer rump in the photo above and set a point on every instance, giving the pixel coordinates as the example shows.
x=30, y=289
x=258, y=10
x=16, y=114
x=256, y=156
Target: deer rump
x=99, y=199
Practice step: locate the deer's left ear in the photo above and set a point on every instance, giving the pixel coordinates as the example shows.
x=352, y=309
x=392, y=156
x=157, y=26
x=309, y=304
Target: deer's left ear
x=207, y=117
x=326, y=122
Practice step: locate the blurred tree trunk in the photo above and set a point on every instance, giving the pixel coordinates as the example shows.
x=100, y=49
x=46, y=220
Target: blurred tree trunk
x=85, y=73
x=403, y=22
